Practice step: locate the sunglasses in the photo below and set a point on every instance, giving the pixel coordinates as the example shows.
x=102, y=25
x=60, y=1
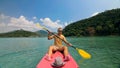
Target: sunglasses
x=59, y=30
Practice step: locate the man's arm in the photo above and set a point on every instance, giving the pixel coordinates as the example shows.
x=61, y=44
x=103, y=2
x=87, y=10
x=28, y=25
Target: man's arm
x=50, y=36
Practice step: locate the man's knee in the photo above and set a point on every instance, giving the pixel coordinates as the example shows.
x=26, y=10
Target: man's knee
x=50, y=47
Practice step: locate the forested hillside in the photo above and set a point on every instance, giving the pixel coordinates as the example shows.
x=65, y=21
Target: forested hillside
x=103, y=24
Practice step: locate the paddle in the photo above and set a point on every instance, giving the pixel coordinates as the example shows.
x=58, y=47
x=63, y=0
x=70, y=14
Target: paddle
x=81, y=52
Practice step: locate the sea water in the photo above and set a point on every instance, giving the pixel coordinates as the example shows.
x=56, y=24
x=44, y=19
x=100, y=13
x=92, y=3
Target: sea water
x=27, y=52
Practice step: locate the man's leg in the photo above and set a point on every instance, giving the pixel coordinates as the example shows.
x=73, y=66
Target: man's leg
x=67, y=57
x=50, y=50
x=65, y=50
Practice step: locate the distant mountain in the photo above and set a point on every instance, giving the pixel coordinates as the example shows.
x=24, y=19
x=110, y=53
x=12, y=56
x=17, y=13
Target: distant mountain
x=42, y=33
x=103, y=24
x=19, y=33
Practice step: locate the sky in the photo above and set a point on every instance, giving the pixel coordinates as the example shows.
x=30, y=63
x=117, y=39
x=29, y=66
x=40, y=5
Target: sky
x=25, y=14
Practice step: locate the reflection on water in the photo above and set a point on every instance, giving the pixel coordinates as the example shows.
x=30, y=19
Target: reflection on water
x=27, y=52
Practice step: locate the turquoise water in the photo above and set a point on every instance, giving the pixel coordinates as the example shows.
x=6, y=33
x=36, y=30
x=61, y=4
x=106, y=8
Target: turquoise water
x=27, y=52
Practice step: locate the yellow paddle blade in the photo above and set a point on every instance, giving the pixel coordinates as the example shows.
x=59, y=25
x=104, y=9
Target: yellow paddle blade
x=84, y=54
x=38, y=25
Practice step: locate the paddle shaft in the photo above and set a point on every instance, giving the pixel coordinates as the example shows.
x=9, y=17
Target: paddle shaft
x=63, y=40
x=81, y=52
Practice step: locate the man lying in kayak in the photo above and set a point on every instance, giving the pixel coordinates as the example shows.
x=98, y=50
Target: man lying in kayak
x=58, y=46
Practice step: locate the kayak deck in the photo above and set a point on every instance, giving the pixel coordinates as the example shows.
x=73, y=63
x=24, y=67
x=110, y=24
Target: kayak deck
x=47, y=64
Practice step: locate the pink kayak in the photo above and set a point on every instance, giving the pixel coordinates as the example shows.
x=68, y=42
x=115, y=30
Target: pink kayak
x=47, y=64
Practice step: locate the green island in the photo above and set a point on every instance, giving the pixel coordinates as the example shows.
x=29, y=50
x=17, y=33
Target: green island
x=24, y=33
x=19, y=33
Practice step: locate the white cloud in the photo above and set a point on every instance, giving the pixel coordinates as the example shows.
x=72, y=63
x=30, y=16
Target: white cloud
x=67, y=23
x=49, y=23
x=4, y=19
x=34, y=17
x=2, y=24
x=94, y=14
x=8, y=23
